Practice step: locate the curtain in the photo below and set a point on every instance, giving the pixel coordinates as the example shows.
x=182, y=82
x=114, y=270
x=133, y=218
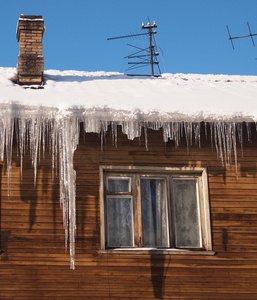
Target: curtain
x=154, y=212
x=186, y=214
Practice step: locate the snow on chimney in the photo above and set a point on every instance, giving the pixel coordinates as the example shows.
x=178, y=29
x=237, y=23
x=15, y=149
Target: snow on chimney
x=30, y=31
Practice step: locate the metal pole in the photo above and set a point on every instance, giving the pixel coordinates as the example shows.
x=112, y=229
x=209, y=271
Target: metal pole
x=151, y=51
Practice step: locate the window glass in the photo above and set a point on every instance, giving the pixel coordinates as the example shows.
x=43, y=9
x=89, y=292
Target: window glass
x=119, y=222
x=186, y=213
x=118, y=185
x=154, y=212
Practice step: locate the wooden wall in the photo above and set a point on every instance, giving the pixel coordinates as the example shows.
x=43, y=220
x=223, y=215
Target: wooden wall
x=34, y=264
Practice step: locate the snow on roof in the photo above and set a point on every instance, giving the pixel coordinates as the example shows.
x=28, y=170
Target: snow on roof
x=114, y=96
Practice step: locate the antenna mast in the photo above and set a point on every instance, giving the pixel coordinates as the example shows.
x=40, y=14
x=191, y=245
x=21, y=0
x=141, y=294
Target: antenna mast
x=151, y=46
x=150, y=56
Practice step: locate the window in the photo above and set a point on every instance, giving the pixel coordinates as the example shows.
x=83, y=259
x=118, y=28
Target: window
x=156, y=208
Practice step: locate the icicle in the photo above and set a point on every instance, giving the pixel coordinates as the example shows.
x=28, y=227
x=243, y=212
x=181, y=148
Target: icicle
x=249, y=132
x=43, y=136
x=9, y=127
x=2, y=138
x=146, y=138
x=102, y=140
x=205, y=130
x=218, y=142
x=114, y=128
x=211, y=129
x=240, y=135
x=233, y=134
x=197, y=131
x=223, y=142
x=21, y=130
x=68, y=141
x=34, y=141
x=188, y=134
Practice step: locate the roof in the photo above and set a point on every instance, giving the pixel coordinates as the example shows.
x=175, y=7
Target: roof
x=114, y=96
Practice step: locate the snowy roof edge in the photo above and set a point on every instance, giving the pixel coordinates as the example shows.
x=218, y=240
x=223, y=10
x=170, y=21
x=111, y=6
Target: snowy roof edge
x=111, y=96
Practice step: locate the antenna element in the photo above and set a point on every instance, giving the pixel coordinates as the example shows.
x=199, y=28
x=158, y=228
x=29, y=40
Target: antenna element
x=242, y=36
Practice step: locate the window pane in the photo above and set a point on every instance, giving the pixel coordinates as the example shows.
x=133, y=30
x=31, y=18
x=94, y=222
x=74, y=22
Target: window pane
x=154, y=213
x=119, y=222
x=187, y=221
x=118, y=185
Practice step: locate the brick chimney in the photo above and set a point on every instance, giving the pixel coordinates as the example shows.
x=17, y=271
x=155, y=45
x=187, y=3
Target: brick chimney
x=30, y=31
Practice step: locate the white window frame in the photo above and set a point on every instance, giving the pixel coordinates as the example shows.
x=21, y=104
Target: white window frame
x=186, y=172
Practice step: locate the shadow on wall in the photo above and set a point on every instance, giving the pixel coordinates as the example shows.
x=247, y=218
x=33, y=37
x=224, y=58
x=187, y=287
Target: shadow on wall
x=86, y=166
x=40, y=200
x=4, y=234
x=159, y=268
x=44, y=194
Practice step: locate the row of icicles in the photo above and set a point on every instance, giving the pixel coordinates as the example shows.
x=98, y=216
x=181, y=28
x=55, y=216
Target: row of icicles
x=61, y=137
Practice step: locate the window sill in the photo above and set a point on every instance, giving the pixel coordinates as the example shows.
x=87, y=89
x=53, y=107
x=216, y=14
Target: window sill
x=154, y=251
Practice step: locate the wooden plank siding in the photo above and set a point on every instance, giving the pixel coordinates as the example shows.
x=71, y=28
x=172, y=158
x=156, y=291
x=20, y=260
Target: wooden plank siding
x=34, y=264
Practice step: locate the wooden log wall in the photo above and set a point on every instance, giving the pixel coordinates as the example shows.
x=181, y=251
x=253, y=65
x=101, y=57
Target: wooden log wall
x=34, y=264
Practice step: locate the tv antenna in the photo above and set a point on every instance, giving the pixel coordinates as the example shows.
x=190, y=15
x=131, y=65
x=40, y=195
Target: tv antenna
x=242, y=36
x=144, y=56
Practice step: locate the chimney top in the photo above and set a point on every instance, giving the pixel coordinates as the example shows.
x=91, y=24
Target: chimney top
x=30, y=17
x=30, y=68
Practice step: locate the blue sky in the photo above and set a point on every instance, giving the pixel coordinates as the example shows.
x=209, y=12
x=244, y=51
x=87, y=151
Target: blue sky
x=192, y=34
